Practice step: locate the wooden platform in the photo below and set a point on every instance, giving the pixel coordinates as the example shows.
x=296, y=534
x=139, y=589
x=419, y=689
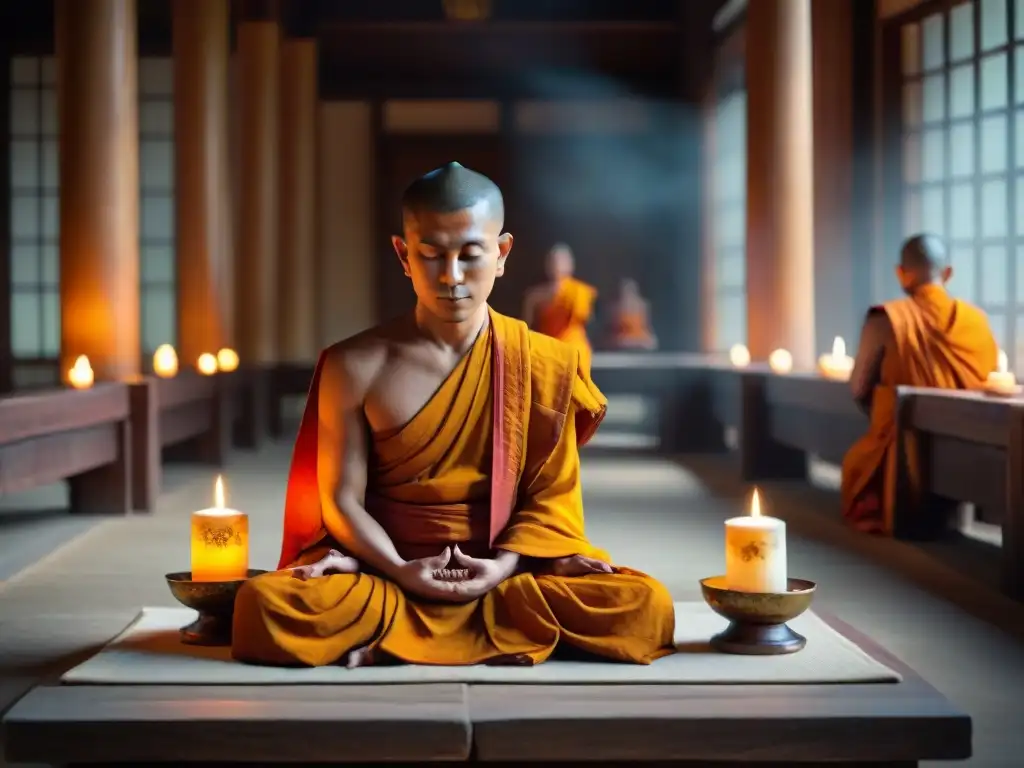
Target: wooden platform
x=885, y=724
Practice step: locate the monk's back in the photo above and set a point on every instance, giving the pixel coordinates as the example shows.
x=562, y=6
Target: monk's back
x=937, y=341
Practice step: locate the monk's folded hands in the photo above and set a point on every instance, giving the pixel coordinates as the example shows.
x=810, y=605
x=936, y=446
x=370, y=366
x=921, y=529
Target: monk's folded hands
x=484, y=573
x=422, y=578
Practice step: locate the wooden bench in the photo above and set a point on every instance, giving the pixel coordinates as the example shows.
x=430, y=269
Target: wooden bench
x=183, y=418
x=890, y=724
x=83, y=437
x=971, y=449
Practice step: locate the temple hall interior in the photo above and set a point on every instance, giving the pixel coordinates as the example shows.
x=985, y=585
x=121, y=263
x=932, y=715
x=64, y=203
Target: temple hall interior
x=201, y=197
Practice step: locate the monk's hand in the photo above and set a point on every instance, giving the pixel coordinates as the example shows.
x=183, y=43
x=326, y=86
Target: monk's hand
x=483, y=574
x=430, y=578
x=331, y=563
x=578, y=565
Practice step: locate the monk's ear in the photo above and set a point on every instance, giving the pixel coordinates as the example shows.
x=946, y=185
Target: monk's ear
x=504, y=247
x=901, y=275
x=403, y=252
x=947, y=272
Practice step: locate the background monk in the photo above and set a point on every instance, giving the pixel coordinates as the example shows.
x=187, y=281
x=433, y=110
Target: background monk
x=630, y=326
x=927, y=339
x=434, y=512
x=562, y=306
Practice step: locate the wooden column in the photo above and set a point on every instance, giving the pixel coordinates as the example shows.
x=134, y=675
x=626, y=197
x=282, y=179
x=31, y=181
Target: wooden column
x=99, y=185
x=202, y=206
x=256, y=270
x=780, y=189
x=297, y=273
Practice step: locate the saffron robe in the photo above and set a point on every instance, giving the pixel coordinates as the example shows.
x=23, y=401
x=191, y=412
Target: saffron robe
x=938, y=341
x=491, y=461
x=564, y=316
x=630, y=329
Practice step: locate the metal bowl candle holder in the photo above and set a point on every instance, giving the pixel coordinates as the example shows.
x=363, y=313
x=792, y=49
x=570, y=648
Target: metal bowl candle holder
x=757, y=620
x=213, y=600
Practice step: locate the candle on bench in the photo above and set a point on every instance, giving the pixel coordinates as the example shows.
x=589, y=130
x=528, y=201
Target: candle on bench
x=81, y=376
x=755, y=552
x=220, y=541
x=780, y=361
x=838, y=365
x=227, y=360
x=165, y=362
x=739, y=356
x=1002, y=379
x=206, y=364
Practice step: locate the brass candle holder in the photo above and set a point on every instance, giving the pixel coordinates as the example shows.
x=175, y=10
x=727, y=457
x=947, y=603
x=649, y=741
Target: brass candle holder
x=215, y=603
x=757, y=620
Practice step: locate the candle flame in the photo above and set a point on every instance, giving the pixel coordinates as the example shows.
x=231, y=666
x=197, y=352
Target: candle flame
x=780, y=361
x=227, y=359
x=165, y=361
x=207, y=364
x=739, y=356
x=81, y=376
x=755, y=504
x=839, y=348
x=218, y=493
x=1002, y=364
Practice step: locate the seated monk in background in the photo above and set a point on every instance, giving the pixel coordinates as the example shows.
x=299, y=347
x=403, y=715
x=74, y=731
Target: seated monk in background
x=561, y=307
x=434, y=513
x=928, y=339
x=631, y=322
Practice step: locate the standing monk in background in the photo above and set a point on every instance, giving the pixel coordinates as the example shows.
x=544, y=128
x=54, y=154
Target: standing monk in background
x=631, y=320
x=434, y=512
x=561, y=307
x=928, y=339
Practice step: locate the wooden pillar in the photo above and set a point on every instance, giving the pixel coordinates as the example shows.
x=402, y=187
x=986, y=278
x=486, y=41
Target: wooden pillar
x=202, y=206
x=297, y=273
x=99, y=185
x=256, y=270
x=780, y=190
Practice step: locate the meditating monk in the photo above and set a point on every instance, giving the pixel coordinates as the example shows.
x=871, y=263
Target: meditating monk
x=630, y=319
x=434, y=513
x=927, y=339
x=561, y=307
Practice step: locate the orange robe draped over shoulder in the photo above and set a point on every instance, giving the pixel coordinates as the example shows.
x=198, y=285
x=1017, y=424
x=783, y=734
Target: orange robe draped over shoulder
x=491, y=460
x=939, y=342
x=564, y=316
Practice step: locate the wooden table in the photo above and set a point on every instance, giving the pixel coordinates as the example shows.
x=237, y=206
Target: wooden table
x=892, y=724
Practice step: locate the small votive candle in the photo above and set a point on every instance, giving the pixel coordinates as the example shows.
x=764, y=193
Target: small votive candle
x=1001, y=379
x=165, y=361
x=739, y=356
x=780, y=361
x=837, y=365
x=220, y=541
x=80, y=376
x=206, y=364
x=755, y=552
x=227, y=360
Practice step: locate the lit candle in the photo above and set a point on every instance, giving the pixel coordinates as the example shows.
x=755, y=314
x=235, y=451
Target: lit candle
x=780, y=361
x=165, y=361
x=227, y=360
x=1002, y=379
x=739, y=356
x=220, y=541
x=81, y=376
x=207, y=364
x=755, y=552
x=837, y=365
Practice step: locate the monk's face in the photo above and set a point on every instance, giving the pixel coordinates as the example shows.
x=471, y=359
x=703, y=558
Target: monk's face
x=453, y=259
x=560, y=263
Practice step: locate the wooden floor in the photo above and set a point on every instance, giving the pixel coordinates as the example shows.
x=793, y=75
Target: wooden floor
x=662, y=516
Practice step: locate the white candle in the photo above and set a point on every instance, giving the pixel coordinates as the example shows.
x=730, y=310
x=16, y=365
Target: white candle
x=220, y=541
x=1001, y=378
x=739, y=356
x=755, y=552
x=837, y=365
x=780, y=361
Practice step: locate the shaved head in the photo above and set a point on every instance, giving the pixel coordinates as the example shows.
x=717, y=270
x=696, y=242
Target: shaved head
x=923, y=259
x=450, y=188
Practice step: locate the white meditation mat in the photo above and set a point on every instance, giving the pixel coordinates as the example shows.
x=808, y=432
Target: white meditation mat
x=149, y=652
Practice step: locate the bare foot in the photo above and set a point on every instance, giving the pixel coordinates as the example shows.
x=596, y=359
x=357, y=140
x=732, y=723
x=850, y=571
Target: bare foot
x=360, y=657
x=331, y=563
